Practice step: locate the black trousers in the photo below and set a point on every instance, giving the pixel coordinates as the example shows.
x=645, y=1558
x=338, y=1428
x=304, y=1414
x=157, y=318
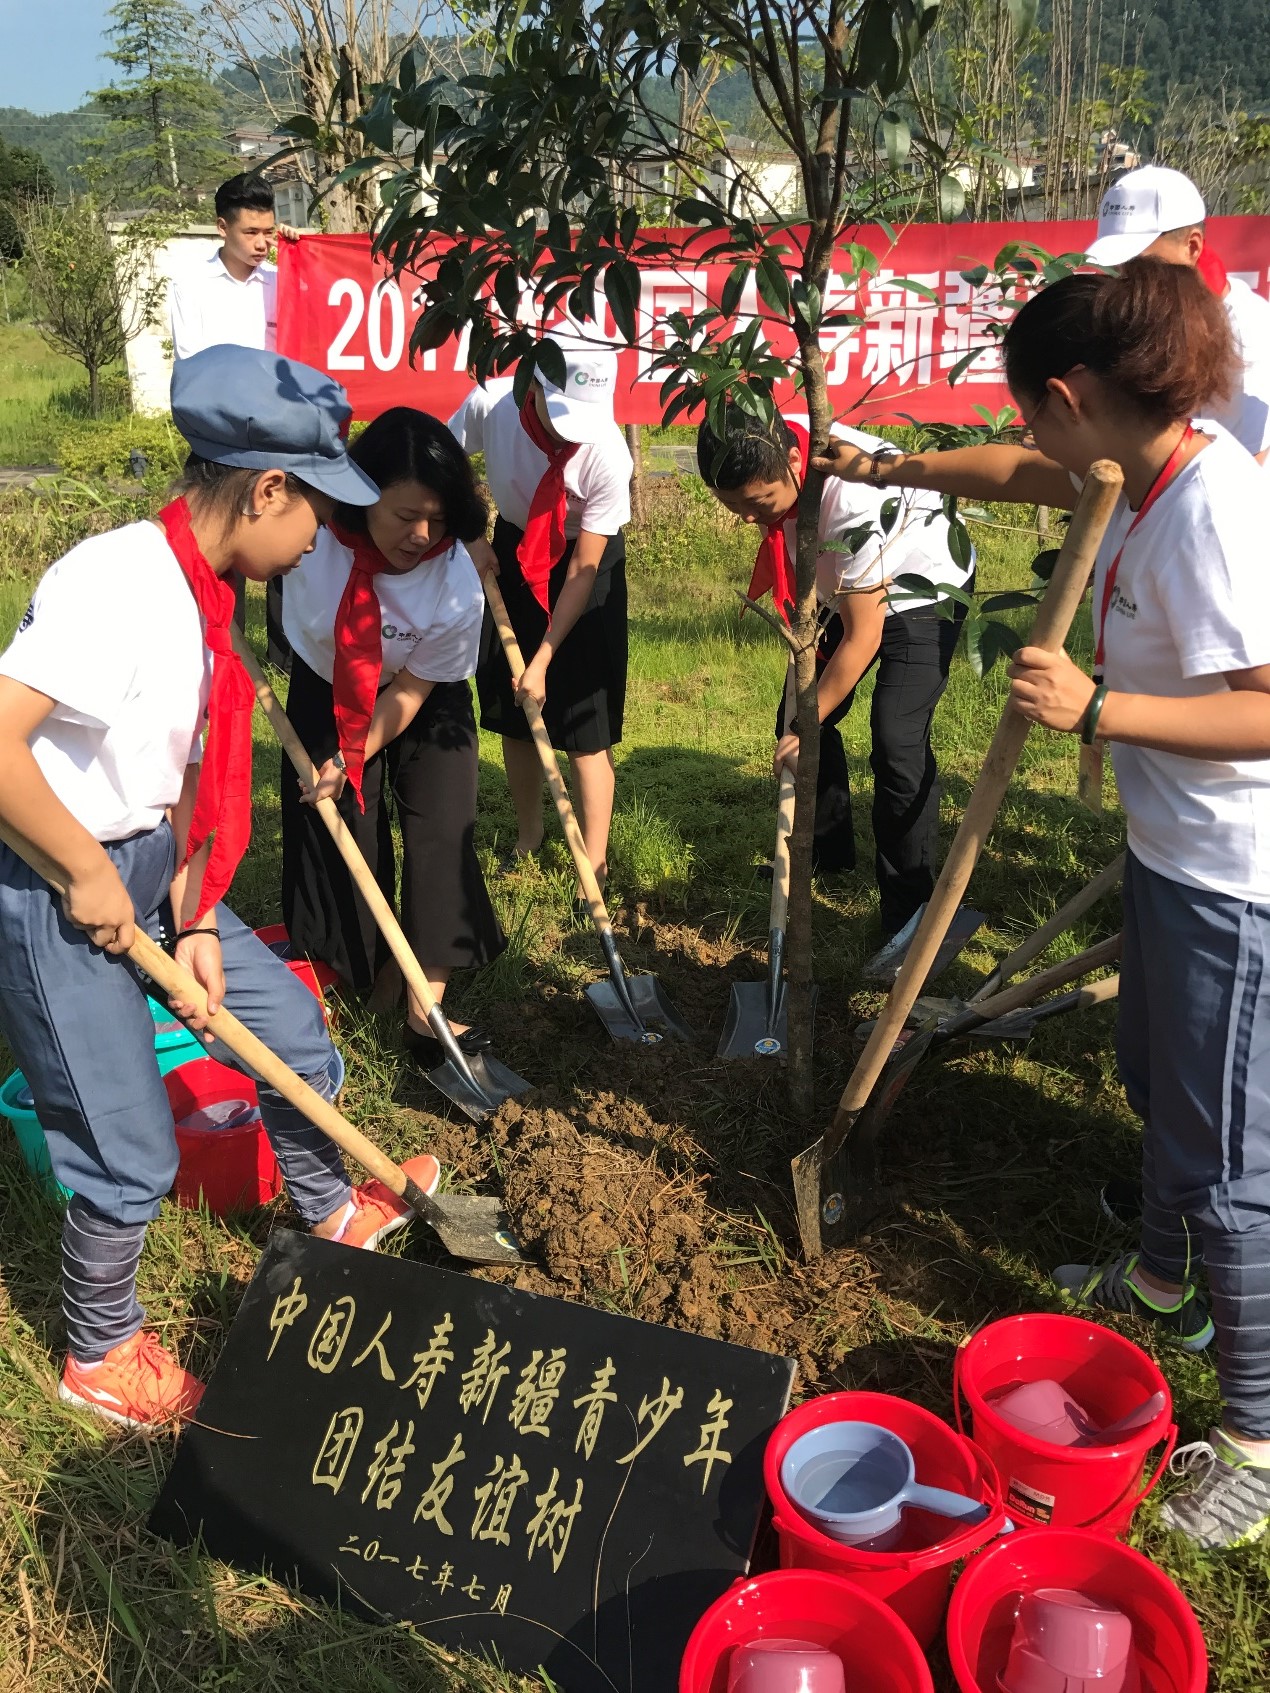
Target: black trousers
x=429, y=773
x=913, y=661
x=279, y=648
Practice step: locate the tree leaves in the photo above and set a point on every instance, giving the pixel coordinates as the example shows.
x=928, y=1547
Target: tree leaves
x=1022, y=17
x=621, y=290
x=897, y=138
x=987, y=641
x=952, y=198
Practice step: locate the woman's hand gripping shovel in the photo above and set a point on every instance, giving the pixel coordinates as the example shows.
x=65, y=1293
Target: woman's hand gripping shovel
x=477, y=1084
x=631, y=1008
x=469, y=1228
x=845, y=1152
x=758, y=1013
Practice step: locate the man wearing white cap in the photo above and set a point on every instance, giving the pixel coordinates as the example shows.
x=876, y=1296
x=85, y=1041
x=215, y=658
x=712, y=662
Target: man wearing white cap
x=1159, y=213
x=560, y=475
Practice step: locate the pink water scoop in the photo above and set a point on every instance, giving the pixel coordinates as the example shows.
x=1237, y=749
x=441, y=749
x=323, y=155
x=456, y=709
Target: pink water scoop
x=1065, y=1642
x=785, y=1666
x=1046, y=1410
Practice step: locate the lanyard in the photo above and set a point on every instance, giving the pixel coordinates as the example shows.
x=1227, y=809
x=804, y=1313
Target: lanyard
x=1161, y=482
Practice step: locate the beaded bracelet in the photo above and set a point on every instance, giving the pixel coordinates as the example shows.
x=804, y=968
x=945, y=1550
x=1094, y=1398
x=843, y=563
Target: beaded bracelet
x=1089, y=722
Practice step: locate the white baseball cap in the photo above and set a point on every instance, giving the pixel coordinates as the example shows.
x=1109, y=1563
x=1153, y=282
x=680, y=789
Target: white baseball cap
x=1141, y=207
x=583, y=408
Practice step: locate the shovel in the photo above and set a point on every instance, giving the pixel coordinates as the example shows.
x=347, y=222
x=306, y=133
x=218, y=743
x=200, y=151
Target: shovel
x=820, y=1171
x=476, y=1083
x=470, y=1228
x=884, y=966
x=626, y=1005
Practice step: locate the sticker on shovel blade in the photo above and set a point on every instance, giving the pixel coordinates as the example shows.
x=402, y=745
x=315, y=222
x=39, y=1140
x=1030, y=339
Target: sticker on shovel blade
x=768, y=1047
x=832, y=1209
x=1038, y=1507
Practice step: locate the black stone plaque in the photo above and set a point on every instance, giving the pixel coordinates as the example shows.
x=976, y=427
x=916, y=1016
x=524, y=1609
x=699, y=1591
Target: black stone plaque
x=561, y=1486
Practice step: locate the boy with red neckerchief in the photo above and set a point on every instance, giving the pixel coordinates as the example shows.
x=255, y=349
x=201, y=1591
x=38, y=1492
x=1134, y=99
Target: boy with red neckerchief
x=123, y=655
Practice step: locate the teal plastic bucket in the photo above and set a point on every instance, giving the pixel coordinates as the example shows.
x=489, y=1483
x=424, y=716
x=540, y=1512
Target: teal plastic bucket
x=30, y=1137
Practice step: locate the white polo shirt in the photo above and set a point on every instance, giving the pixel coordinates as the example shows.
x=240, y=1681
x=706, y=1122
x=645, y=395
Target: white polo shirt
x=917, y=544
x=597, y=478
x=1247, y=413
x=114, y=636
x=1188, y=606
x=211, y=308
x=430, y=617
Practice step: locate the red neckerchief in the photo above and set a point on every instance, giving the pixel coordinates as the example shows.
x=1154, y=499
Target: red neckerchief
x=1213, y=272
x=359, y=651
x=773, y=567
x=222, y=802
x=543, y=540
x=1161, y=482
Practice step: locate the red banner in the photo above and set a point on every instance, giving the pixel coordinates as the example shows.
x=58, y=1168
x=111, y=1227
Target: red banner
x=341, y=310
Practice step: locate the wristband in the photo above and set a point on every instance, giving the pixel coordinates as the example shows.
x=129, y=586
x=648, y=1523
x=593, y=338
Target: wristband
x=1089, y=722
x=171, y=942
x=874, y=478
x=337, y=759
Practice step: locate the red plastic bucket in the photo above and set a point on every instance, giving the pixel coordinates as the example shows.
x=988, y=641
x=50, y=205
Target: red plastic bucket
x=878, y=1652
x=230, y=1169
x=1166, y=1636
x=315, y=975
x=1097, y=1487
x=914, y=1579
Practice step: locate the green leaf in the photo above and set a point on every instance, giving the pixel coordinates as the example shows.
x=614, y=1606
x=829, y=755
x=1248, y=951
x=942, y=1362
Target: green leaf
x=773, y=285
x=621, y=290
x=1013, y=600
x=733, y=288
x=897, y=138
x=952, y=198
x=987, y=641
x=886, y=517
x=1043, y=564
x=550, y=361
x=959, y=544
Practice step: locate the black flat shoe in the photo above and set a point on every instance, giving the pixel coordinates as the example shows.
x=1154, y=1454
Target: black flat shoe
x=427, y=1050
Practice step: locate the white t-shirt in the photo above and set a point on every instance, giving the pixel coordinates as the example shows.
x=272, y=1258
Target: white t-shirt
x=916, y=546
x=211, y=308
x=1188, y=605
x=1247, y=413
x=431, y=616
x=597, y=479
x=114, y=636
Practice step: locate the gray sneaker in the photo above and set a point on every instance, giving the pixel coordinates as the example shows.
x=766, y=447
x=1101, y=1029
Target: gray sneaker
x=1107, y=1287
x=1228, y=1503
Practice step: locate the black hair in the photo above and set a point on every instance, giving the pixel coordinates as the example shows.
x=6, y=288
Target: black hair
x=750, y=451
x=221, y=491
x=405, y=445
x=1155, y=334
x=246, y=192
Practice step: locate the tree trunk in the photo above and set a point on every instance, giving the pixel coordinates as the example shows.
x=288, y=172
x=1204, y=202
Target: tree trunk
x=639, y=501
x=94, y=391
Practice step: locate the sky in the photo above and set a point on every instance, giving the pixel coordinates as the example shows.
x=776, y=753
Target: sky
x=50, y=52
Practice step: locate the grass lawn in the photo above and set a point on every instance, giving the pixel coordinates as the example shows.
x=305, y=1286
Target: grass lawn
x=44, y=392
x=996, y=1155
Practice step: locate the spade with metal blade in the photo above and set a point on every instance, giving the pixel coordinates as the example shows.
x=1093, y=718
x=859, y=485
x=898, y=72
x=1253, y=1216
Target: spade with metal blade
x=1020, y=1025
x=475, y=1082
x=835, y=1177
x=474, y=1229
x=758, y=1015
x=884, y=966
x=632, y=1008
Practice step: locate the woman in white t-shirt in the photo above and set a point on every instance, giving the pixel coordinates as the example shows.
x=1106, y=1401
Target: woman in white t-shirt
x=1107, y=367
x=384, y=627
x=122, y=657
x=560, y=475
x=865, y=620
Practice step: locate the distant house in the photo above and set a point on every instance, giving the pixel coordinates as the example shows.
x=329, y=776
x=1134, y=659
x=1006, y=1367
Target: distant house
x=759, y=181
x=256, y=147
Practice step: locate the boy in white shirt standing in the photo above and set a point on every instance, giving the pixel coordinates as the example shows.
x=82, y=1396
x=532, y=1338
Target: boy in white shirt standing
x=231, y=300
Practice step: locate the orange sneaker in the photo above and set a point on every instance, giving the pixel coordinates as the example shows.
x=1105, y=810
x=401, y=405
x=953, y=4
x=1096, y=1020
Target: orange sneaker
x=378, y=1212
x=136, y=1385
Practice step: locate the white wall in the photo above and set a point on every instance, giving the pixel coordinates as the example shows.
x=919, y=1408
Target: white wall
x=150, y=353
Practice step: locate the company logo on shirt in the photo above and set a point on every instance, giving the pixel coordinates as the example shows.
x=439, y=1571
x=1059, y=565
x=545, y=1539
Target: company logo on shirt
x=1121, y=602
x=28, y=617
x=390, y=632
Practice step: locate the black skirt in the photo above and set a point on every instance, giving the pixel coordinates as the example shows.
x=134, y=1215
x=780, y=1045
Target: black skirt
x=586, y=683
x=429, y=772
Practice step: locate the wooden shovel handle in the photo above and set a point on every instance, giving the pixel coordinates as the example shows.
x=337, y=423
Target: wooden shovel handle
x=1036, y=987
x=370, y=890
x=547, y=758
x=1080, y=902
x=784, y=821
x=180, y=984
x=1049, y=630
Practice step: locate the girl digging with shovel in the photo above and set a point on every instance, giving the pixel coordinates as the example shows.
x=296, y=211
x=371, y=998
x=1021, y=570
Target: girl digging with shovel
x=123, y=654
x=1114, y=367
x=385, y=624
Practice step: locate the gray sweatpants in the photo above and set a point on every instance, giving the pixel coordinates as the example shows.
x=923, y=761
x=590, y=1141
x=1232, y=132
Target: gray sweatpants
x=1193, y=1045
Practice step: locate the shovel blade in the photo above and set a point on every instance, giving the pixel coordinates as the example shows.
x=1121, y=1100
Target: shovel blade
x=494, y=1084
x=474, y=1228
x=656, y=1018
x=749, y=1031
x=885, y=964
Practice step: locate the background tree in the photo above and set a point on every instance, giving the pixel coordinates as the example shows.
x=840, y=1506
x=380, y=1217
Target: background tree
x=23, y=177
x=91, y=292
x=161, y=145
x=511, y=187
